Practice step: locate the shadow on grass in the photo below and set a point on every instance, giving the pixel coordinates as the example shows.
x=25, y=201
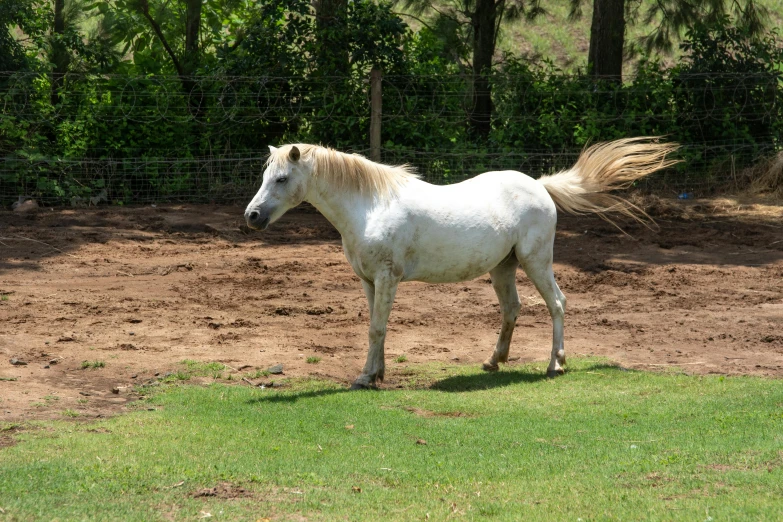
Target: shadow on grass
x=295, y=396
x=486, y=381
x=456, y=383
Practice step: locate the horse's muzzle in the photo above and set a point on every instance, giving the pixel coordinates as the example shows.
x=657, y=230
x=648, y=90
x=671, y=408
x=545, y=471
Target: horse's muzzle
x=256, y=220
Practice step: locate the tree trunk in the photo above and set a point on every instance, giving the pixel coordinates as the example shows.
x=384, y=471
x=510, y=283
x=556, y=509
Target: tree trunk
x=331, y=25
x=190, y=58
x=484, y=28
x=60, y=56
x=607, y=37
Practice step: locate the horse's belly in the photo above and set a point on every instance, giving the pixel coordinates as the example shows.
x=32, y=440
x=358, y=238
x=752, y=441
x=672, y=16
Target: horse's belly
x=437, y=262
x=436, y=275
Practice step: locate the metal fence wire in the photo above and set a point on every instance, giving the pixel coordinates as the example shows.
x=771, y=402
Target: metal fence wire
x=144, y=139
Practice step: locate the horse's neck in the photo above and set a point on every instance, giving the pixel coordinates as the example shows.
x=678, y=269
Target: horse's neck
x=345, y=211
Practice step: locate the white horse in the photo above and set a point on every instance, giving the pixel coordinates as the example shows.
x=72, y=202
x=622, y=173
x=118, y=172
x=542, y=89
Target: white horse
x=397, y=228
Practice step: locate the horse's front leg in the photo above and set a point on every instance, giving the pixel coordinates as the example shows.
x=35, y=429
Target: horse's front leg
x=385, y=288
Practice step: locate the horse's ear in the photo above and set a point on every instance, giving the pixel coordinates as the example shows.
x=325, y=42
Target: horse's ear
x=272, y=149
x=293, y=154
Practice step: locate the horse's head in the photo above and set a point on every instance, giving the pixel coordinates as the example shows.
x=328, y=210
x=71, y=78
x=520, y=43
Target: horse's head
x=284, y=186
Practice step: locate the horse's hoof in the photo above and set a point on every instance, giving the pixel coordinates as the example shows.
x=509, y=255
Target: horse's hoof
x=361, y=386
x=555, y=373
x=489, y=367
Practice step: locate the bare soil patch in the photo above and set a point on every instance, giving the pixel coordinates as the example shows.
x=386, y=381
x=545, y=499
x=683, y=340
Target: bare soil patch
x=141, y=289
x=224, y=490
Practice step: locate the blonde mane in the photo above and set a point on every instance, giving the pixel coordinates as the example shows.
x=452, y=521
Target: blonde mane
x=349, y=172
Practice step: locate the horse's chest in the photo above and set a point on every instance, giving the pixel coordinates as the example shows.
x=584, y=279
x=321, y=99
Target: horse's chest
x=370, y=258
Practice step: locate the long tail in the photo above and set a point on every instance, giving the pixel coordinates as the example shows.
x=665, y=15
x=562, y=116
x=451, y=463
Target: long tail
x=605, y=167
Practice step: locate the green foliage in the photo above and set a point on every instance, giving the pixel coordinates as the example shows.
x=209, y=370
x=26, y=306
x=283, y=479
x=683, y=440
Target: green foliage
x=122, y=123
x=13, y=13
x=376, y=36
x=541, y=108
x=725, y=96
x=728, y=90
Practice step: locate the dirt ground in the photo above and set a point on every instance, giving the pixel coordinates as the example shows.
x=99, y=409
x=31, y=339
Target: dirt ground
x=142, y=289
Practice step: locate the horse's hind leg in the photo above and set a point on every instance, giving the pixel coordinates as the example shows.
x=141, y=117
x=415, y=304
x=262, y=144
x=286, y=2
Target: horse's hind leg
x=504, y=283
x=538, y=267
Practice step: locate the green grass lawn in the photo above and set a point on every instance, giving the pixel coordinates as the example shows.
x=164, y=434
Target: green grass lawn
x=599, y=443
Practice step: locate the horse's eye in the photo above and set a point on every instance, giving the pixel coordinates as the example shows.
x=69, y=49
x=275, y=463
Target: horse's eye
x=283, y=179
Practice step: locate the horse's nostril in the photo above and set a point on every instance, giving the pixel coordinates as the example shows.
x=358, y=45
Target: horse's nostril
x=254, y=215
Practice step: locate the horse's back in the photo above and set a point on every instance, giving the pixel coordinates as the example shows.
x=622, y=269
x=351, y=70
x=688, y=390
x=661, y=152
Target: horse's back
x=458, y=232
x=510, y=194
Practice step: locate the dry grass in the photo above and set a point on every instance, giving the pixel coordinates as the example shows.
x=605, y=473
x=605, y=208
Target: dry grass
x=760, y=207
x=767, y=177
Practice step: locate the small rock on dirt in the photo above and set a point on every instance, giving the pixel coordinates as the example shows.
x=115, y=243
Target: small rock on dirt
x=277, y=369
x=24, y=204
x=17, y=362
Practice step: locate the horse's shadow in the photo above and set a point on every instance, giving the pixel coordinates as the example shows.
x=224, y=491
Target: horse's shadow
x=295, y=396
x=452, y=384
x=487, y=381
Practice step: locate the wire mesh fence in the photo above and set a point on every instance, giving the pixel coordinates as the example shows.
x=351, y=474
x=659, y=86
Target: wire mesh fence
x=142, y=139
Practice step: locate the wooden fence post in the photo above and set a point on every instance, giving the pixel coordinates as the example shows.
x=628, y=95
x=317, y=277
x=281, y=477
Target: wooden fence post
x=375, y=114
